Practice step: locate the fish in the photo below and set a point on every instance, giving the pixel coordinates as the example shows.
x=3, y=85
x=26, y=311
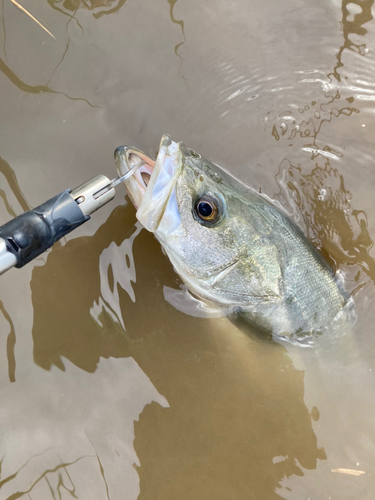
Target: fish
x=232, y=247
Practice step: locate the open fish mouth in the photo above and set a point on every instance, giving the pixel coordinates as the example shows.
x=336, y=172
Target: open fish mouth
x=126, y=158
x=152, y=185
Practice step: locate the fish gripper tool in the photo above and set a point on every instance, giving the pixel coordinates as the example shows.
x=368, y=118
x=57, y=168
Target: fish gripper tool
x=30, y=234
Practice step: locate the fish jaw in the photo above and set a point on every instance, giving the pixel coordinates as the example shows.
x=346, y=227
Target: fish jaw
x=154, y=199
x=161, y=187
x=127, y=157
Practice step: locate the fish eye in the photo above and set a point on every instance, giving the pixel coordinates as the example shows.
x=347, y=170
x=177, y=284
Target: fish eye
x=208, y=209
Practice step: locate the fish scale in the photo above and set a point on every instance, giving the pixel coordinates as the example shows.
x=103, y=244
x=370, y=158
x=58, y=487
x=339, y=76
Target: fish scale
x=252, y=258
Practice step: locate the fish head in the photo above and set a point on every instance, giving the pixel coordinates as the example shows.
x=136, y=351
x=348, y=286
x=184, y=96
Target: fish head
x=208, y=223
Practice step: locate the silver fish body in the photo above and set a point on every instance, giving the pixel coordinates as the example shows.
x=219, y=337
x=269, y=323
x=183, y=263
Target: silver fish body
x=249, y=258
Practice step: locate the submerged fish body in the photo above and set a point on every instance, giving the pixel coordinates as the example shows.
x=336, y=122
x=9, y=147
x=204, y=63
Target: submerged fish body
x=230, y=245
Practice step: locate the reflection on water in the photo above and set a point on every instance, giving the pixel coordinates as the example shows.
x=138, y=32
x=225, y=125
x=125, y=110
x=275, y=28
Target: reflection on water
x=355, y=13
x=117, y=270
x=74, y=433
x=11, y=179
x=69, y=8
x=11, y=342
x=321, y=114
x=74, y=427
x=207, y=370
x=128, y=393
x=30, y=89
x=101, y=7
x=98, y=7
x=292, y=128
x=5, y=67
x=34, y=89
x=86, y=334
x=22, y=9
x=318, y=200
x=4, y=28
x=12, y=184
x=172, y=4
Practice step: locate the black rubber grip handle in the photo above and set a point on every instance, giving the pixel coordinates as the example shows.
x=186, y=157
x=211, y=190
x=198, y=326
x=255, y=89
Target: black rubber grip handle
x=32, y=233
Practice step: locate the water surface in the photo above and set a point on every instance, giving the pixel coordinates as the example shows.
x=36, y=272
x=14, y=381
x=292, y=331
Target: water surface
x=108, y=389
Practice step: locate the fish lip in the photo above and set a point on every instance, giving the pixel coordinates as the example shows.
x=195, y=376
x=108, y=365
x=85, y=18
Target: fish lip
x=152, y=207
x=126, y=157
x=152, y=195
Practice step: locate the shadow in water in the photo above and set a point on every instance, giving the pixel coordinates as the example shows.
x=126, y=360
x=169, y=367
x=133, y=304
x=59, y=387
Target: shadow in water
x=237, y=423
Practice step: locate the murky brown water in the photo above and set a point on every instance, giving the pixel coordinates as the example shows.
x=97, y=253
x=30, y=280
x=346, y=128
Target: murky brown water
x=108, y=390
